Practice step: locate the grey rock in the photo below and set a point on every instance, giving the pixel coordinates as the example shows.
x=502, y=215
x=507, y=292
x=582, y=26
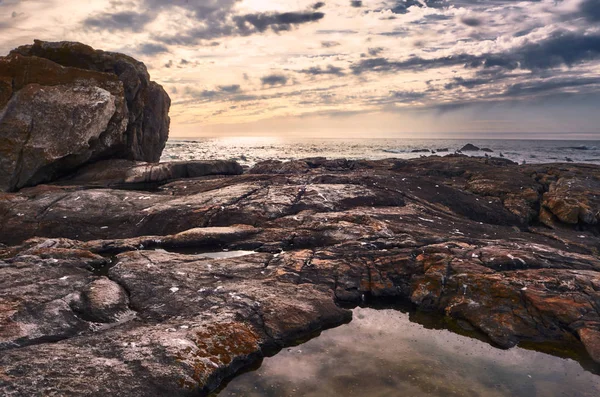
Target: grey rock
x=63, y=105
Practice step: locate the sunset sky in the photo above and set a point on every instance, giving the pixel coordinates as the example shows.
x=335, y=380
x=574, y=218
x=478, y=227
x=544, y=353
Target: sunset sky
x=414, y=68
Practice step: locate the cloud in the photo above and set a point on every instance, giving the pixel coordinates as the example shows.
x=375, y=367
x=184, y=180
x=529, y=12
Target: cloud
x=375, y=51
x=230, y=88
x=329, y=70
x=126, y=20
x=329, y=44
x=201, y=9
x=402, y=6
x=561, y=48
x=467, y=83
x=471, y=21
x=590, y=9
x=152, y=49
x=241, y=25
x=274, y=79
x=336, y=31
x=407, y=96
x=251, y=23
x=554, y=84
x=202, y=94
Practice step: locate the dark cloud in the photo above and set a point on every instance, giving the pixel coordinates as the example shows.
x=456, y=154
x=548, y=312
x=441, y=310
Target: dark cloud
x=415, y=63
x=590, y=10
x=329, y=44
x=126, y=20
x=222, y=92
x=152, y=49
x=431, y=19
x=202, y=94
x=230, y=88
x=400, y=32
x=356, y=3
x=471, y=21
x=562, y=48
x=318, y=5
x=375, y=51
x=242, y=25
x=329, y=70
x=402, y=6
x=554, y=84
x=216, y=19
x=201, y=9
x=407, y=96
x=251, y=23
x=467, y=83
x=274, y=79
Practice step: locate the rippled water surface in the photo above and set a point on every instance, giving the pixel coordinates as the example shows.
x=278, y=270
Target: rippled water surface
x=381, y=353
x=249, y=150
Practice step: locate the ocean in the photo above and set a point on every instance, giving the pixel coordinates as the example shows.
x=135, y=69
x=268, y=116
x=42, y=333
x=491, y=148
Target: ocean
x=250, y=150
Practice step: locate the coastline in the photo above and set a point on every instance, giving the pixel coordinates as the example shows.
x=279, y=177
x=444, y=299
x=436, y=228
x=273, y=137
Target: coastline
x=122, y=297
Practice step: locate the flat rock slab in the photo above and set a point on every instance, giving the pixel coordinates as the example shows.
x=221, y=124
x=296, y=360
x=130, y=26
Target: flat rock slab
x=169, y=291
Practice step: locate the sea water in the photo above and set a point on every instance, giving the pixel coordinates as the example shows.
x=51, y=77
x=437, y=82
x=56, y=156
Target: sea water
x=382, y=353
x=250, y=150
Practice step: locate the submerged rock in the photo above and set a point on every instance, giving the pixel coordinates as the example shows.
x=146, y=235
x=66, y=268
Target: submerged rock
x=65, y=104
x=131, y=290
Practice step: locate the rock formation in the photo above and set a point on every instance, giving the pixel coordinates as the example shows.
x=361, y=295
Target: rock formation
x=168, y=291
x=469, y=147
x=65, y=104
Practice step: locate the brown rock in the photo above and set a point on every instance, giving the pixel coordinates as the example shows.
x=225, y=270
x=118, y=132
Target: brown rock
x=148, y=104
x=169, y=291
x=102, y=301
x=131, y=174
x=55, y=118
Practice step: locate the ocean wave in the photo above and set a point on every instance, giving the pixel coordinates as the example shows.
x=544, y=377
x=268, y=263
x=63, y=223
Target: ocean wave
x=581, y=147
x=392, y=151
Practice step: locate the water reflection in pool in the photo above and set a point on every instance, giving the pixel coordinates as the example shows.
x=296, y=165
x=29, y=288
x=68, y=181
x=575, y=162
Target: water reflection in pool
x=382, y=354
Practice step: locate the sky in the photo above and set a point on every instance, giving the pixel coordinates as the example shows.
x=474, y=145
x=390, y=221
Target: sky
x=347, y=68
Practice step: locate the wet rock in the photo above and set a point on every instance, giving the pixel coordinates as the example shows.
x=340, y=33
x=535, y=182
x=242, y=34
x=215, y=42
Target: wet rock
x=469, y=147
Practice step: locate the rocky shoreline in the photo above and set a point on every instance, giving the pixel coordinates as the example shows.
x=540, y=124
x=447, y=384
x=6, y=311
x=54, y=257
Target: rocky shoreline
x=119, y=276
x=169, y=290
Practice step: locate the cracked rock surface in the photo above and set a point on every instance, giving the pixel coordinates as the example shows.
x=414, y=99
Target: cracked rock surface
x=169, y=290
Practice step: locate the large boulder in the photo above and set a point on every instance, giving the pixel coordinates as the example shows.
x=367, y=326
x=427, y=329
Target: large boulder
x=65, y=104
